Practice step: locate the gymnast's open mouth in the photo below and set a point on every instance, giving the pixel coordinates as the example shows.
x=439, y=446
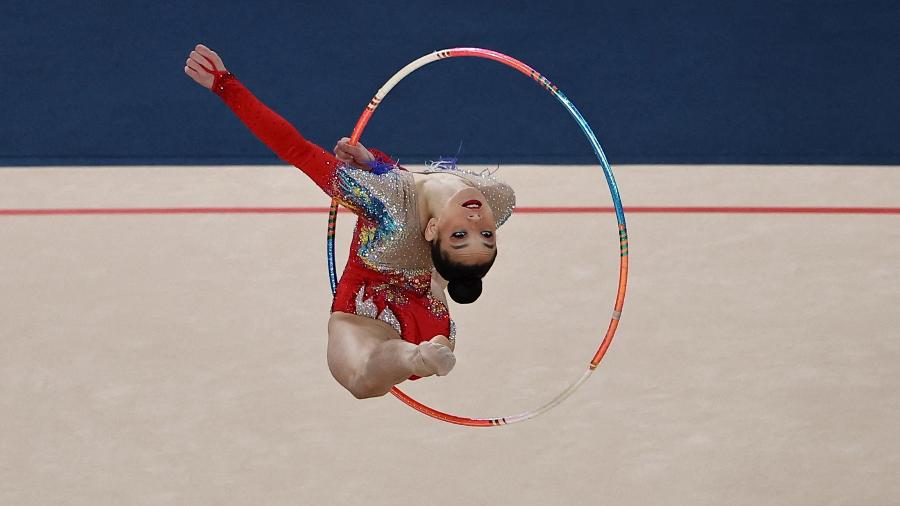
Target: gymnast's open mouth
x=472, y=204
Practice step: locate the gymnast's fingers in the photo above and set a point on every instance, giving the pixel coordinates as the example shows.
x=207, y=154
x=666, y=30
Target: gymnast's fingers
x=211, y=56
x=195, y=66
x=193, y=75
x=356, y=153
x=201, y=62
x=202, y=78
x=344, y=148
x=343, y=156
x=342, y=144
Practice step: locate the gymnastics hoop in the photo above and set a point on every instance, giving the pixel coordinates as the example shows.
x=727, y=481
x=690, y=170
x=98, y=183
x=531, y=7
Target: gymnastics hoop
x=613, y=189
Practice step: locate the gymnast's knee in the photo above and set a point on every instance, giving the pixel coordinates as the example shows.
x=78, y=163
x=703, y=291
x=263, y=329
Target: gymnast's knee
x=362, y=389
x=356, y=383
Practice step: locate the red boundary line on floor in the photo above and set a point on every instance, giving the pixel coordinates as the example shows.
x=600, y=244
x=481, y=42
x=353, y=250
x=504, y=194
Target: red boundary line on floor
x=518, y=210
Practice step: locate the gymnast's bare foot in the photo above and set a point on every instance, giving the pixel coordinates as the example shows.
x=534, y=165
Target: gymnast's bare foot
x=434, y=357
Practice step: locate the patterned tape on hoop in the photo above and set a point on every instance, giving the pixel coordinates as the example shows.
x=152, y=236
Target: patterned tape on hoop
x=613, y=189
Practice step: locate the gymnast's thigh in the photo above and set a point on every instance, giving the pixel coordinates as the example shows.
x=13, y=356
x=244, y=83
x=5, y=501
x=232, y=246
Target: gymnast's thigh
x=351, y=340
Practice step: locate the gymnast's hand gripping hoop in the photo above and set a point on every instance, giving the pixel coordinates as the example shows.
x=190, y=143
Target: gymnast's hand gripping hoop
x=613, y=189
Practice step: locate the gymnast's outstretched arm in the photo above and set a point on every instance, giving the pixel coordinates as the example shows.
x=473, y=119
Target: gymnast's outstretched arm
x=206, y=68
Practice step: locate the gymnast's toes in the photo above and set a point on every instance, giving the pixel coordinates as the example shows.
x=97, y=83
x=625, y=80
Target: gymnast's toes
x=438, y=359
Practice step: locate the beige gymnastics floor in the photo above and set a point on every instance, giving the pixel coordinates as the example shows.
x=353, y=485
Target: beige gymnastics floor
x=180, y=359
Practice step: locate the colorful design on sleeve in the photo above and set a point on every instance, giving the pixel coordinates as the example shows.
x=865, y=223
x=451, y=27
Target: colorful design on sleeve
x=361, y=200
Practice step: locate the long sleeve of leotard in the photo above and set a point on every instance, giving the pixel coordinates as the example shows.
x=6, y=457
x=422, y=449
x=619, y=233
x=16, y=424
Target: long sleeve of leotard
x=276, y=133
x=354, y=188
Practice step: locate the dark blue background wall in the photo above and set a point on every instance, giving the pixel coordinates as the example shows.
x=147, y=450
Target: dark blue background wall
x=660, y=81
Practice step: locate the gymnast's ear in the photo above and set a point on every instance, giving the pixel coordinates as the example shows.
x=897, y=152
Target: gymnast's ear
x=431, y=230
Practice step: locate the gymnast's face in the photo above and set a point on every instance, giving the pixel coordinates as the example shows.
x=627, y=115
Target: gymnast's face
x=466, y=228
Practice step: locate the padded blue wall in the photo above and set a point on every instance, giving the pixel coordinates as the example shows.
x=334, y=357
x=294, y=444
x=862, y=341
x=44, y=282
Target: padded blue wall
x=708, y=81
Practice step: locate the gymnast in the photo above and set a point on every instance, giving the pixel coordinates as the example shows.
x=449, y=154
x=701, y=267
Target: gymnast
x=417, y=234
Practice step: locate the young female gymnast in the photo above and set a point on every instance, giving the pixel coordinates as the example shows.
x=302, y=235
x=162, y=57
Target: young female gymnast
x=416, y=234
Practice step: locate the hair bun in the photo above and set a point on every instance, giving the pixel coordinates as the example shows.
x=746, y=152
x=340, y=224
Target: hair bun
x=464, y=292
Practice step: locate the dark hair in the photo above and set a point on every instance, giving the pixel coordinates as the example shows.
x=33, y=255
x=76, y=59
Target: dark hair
x=464, y=281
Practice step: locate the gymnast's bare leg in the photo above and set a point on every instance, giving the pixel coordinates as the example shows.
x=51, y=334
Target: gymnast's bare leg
x=368, y=357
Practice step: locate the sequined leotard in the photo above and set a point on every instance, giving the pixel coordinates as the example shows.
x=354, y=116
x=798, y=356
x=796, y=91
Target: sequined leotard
x=388, y=274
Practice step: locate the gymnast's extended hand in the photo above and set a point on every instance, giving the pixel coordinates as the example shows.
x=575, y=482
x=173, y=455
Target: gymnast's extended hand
x=355, y=155
x=203, y=64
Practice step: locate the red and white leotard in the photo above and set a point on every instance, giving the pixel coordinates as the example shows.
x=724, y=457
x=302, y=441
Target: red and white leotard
x=388, y=274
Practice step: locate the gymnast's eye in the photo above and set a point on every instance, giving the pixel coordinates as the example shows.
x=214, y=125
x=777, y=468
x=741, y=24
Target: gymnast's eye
x=458, y=235
x=487, y=234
